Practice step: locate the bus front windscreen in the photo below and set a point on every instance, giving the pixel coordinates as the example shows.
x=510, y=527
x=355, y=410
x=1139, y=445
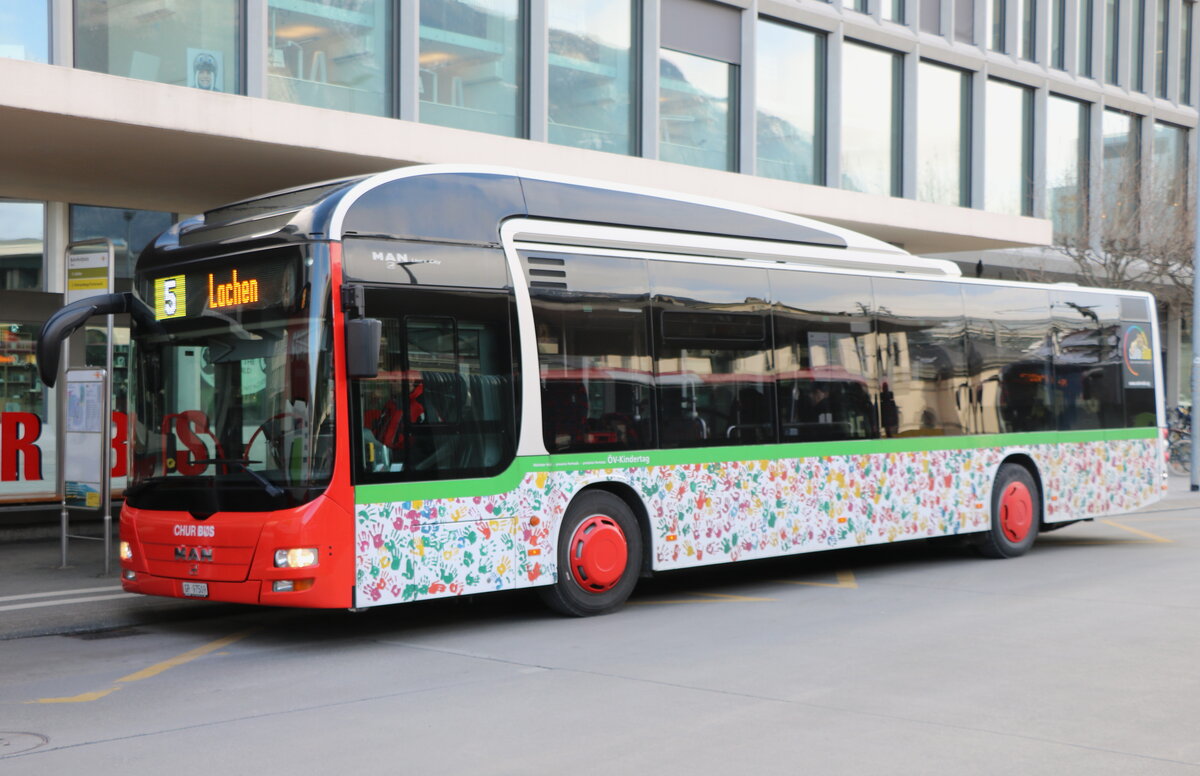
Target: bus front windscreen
x=232, y=388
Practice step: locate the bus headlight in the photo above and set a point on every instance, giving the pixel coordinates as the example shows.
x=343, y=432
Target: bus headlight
x=297, y=558
x=125, y=551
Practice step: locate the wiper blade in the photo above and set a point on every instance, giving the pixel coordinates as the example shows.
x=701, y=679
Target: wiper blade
x=271, y=488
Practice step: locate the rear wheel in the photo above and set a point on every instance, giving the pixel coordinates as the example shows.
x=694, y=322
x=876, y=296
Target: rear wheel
x=1016, y=514
x=599, y=556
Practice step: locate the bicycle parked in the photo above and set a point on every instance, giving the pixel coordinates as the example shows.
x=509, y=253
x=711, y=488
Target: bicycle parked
x=1179, y=440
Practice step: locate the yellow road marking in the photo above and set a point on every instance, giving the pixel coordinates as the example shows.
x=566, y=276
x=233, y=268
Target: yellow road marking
x=701, y=598
x=725, y=597
x=844, y=579
x=1152, y=537
x=81, y=698
x=153, y=670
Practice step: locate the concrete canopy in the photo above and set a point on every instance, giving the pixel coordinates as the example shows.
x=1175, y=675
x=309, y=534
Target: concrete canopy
x=82, y=137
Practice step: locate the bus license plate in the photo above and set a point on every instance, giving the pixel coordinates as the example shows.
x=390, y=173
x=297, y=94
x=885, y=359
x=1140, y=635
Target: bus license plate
x=195, y=589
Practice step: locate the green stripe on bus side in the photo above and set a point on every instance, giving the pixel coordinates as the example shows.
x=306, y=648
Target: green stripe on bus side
x=628, y=459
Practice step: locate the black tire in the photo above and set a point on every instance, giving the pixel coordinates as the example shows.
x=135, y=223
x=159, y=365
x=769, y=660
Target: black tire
x=1015, y=517
x=574, y=594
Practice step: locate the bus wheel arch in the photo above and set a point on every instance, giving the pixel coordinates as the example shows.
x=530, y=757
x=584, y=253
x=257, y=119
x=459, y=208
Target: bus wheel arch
x=601, y=552
x=1016, y=510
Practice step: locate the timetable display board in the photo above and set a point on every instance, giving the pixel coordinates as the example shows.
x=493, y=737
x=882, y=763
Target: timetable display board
x=85, y=453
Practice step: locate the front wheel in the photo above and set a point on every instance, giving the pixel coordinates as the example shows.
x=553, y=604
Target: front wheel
x=599, y=556
x=1016, y=514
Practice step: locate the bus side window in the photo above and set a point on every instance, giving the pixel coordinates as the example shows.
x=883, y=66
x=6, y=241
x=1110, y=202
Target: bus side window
x=824, y=356
x=1088, y=388
x=590, y=314
x=921, y=324
x=1008, y=351
x=442, y=404
x=713, y=360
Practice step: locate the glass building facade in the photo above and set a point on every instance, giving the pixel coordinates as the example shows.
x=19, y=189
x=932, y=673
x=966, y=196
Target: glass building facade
x=592, y=79
x=331, y=54
x=871, y=116
x=943, y=139
x=1076, y=111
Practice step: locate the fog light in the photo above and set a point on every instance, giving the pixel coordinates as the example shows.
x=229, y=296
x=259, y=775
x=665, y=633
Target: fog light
x=125, y=550
x=128, y=574
x=298, y=558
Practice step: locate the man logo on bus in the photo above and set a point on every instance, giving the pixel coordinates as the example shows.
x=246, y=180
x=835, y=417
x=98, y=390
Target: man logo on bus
x=1136, y=347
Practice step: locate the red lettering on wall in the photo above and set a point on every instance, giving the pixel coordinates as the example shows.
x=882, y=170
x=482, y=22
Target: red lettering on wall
x=120, y=444
x=21, y=455
x=19, y=433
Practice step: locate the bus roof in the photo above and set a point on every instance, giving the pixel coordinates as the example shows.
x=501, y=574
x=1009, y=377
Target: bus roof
x=469, y=204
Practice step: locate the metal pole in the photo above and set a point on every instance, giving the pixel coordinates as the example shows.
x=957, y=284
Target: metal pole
x=106, y=423
x=1195, y=438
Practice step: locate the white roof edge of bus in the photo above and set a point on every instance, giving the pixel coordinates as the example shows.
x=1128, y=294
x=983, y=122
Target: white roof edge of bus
x=854, y=240
x=528, y=232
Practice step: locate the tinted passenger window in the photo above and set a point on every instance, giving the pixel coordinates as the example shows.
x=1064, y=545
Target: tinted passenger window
x=712, y=355
x=590, y=315
x=1008, y=357
x=1138, y=375
x=1087, y=390
x=824, y=356
x=923, y=389
x=442, y=406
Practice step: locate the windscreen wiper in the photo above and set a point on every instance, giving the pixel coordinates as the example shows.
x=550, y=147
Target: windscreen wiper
x=271, y=488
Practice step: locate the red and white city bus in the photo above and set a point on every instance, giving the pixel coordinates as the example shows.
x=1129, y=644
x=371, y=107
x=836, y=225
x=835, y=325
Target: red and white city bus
x=445, y=380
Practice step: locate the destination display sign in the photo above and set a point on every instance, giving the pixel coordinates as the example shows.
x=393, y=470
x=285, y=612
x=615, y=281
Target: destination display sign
x=228, y=289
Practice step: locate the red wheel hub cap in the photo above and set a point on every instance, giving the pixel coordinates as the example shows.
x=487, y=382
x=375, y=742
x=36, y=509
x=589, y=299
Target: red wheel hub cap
x=1016, y=512
x=598, y=554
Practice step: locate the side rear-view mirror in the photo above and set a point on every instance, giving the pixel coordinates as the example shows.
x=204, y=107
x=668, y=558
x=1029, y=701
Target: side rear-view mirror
x=363, y=336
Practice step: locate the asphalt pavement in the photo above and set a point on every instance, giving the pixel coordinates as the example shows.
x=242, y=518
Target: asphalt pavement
x=39, y=596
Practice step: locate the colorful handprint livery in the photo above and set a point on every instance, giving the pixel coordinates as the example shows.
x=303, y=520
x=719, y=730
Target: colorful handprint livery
x=720, y=512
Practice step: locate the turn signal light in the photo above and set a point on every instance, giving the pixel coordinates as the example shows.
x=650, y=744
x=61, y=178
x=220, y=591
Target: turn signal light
x=297, y=558
x=290, y=585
